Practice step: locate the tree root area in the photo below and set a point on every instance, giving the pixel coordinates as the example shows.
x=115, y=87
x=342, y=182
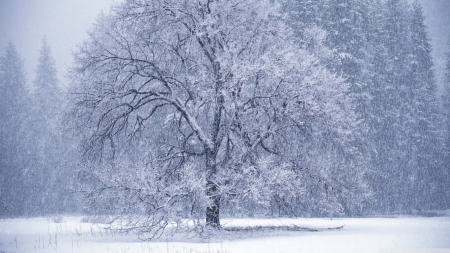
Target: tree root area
x=278, y=228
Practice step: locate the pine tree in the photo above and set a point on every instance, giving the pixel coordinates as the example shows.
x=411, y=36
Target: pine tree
x=302, y=14
x=49, y=173
x=402, y=119
x=426, y=144
x=13, y=115
x=446, y=116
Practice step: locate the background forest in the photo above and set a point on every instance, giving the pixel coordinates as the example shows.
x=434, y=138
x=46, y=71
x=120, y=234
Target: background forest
x=387, y=150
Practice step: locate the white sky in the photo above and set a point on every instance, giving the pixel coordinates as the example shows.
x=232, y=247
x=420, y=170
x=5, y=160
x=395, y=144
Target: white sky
x=64, y=23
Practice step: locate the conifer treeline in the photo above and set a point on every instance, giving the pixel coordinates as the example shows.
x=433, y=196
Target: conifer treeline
x=382, y=49
x=36, y=155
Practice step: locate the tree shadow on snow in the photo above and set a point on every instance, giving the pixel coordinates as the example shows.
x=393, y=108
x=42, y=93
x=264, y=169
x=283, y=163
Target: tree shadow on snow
x=233, y=233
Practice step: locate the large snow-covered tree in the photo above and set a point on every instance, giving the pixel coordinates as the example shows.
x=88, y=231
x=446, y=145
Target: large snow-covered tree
x=186, y=106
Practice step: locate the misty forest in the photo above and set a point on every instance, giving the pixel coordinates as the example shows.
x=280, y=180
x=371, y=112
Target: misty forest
x=187, y=112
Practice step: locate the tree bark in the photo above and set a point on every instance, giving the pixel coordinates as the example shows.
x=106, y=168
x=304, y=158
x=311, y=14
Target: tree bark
x=213, y=210
x=212, y=191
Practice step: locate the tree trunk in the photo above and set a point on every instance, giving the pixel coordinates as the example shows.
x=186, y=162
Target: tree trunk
x=212, y=211
x=212, y=191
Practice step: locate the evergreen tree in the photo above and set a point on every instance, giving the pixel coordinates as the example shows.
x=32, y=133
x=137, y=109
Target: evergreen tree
x=403, y=119
x=391, y=109
x=13, y=115
x=446, y=114
x=49, y=171
x=302, y=15
x=426, y=145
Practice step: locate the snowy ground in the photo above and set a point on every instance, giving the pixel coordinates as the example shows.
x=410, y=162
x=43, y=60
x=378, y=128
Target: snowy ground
x=387, y=235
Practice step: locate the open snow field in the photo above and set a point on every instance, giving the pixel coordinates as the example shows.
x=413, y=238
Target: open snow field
x=386, y=235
